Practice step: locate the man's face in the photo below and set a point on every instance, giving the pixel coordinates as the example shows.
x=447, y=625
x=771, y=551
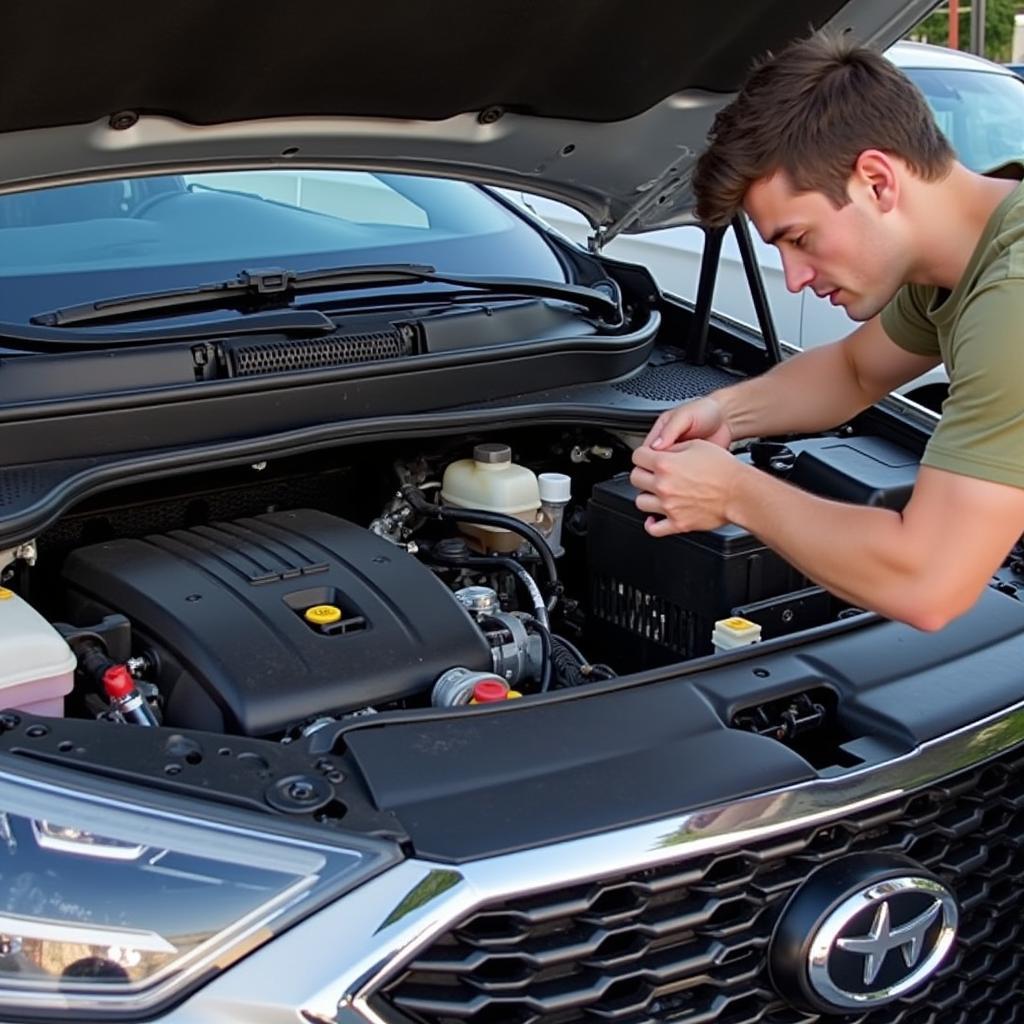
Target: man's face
x=850, y=255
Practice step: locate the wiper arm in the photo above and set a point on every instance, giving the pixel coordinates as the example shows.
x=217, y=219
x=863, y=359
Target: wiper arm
x=273, y=286
x=29, y=338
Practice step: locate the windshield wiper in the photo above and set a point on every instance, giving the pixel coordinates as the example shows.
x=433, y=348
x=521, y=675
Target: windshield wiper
x=29, y=338
x=272, y=286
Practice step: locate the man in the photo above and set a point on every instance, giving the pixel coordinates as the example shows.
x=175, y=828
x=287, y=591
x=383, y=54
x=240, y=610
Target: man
x=837, y=160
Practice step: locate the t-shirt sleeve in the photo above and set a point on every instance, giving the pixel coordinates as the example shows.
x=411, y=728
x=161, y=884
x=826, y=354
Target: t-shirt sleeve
x=981, y=433
x=905, y=321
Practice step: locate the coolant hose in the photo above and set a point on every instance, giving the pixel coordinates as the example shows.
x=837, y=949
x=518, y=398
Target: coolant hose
x=530, y=534
x=545, y=647
x=566, y=664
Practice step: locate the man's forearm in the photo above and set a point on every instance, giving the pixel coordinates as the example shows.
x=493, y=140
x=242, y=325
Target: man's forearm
x=863, y=555
x=812, y=391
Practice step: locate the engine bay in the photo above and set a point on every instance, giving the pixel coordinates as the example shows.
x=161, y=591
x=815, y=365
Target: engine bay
x=273, y=601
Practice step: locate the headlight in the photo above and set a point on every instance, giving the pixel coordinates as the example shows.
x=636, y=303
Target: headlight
x=113, y=908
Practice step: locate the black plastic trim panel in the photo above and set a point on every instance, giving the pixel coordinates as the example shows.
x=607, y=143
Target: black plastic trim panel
x=547, y=772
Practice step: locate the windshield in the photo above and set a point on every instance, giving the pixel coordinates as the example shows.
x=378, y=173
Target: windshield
x=980, y=112
x=77, y=243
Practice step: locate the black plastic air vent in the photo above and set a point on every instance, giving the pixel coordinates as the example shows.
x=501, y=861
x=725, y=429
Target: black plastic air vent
x=250, y=358
x=673, y=382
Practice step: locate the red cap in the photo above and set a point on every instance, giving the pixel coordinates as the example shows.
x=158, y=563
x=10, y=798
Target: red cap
x=118, y=681
x=488, y=690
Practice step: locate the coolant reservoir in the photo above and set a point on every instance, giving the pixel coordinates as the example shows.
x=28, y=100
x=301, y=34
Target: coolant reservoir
x=492, y=482
x=36, y=665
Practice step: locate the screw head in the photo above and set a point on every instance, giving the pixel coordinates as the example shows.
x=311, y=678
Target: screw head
x=301, y=791
x=490, y=114
x=123, y=120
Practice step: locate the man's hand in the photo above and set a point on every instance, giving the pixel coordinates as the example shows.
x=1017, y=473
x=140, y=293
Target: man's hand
x=690, y=486
x=701, y=419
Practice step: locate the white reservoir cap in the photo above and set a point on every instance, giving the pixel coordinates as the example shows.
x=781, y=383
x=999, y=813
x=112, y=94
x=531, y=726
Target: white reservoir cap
x=735, y=632
x=555, y=487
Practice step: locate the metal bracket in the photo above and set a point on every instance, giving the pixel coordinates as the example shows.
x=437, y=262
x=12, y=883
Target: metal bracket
x=26, y=552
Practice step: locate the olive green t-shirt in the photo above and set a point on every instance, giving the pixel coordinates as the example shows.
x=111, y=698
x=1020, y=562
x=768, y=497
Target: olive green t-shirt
x=978, y=330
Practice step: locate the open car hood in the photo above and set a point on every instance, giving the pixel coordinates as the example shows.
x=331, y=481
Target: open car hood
x=602, y=104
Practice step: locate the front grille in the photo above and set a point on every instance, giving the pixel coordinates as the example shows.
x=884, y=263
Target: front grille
x=687, y=942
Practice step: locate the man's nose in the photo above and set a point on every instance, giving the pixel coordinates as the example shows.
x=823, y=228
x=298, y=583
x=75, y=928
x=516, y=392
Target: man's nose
x=799, y=274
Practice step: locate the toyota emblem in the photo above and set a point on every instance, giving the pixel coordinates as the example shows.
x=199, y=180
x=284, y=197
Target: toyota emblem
x=862, y=932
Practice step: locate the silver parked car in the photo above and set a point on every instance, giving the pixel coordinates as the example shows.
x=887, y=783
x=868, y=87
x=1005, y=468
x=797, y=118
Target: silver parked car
x=980, y=107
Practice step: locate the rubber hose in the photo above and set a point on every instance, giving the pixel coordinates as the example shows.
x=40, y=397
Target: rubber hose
x=567, y=669
x=546, y=652
x=492, y=562
x=529, y=533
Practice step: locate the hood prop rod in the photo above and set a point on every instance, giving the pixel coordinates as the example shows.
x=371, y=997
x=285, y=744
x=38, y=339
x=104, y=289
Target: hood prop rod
x=705, y=293
x=755, y=282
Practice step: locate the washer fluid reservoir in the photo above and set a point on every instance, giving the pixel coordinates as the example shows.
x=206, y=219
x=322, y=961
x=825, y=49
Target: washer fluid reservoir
x=36, y=665
x=492, y=482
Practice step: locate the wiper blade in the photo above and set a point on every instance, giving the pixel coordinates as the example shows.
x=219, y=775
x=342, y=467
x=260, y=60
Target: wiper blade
x=28, y=338
x=273, y=286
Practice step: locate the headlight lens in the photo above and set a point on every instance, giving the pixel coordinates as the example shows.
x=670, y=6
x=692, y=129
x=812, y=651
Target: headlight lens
x=111, y=907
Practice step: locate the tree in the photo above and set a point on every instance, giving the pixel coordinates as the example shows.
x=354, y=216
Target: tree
x=998, y=28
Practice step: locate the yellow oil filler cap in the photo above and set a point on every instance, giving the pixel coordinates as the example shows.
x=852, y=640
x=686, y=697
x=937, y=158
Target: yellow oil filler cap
x=322, y=615
x=5, y=594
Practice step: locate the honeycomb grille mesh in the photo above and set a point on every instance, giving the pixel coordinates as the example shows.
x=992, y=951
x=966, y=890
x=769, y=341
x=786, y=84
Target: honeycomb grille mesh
x=255, y=358
x=687, y=942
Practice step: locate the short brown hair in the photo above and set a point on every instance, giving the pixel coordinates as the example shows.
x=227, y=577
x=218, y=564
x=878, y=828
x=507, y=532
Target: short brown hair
x=810, y=111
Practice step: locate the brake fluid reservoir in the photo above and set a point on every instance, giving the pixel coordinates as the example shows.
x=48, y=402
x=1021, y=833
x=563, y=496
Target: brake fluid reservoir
x=36, y=664
x=492, y=482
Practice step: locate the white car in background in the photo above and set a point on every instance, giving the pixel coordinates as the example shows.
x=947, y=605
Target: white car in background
x=980, y=107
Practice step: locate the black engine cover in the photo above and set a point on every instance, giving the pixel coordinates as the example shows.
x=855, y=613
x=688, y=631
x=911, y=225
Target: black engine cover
x=222, y=606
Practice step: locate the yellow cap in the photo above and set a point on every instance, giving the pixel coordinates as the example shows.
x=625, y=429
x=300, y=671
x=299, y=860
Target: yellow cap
x=322, y=614
x=736, y=623
x=5, y=594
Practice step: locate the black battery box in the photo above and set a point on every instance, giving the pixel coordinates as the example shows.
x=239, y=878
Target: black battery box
x=656, y=599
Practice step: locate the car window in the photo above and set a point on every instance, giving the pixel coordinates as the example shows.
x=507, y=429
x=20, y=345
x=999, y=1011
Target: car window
x=980, y=112
x=76, y=243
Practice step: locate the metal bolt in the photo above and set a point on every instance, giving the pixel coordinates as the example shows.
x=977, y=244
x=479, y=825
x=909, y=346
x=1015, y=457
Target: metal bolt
x=787, y=615
x=335, y=776
x=9, y=720
x=490, y=114
x=37, y=731
x=123, y=120
x=301, y=791
x=259, y=466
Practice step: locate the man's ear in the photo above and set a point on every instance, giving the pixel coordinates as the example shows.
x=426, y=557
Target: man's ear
x=876, y=172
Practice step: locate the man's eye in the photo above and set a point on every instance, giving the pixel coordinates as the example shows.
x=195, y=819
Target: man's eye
x=798, y=241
